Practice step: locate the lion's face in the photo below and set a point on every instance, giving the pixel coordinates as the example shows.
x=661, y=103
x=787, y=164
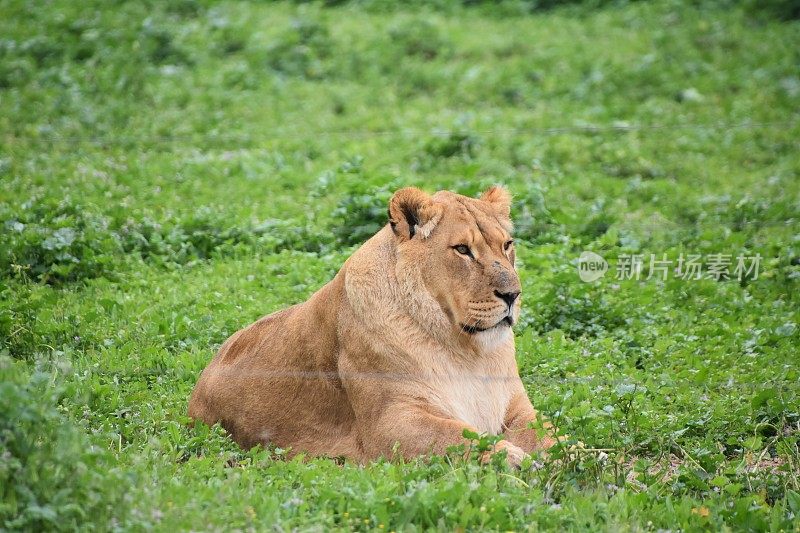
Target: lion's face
x=463, y=251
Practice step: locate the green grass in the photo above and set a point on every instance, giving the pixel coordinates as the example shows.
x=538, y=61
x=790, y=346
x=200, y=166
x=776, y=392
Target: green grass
x=169, y=172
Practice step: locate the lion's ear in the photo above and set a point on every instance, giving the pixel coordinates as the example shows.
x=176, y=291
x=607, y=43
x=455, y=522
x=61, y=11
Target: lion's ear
x=500, y=198
x=413, y=212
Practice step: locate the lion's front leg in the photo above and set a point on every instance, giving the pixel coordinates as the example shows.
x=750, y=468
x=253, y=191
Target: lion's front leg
x=412, y=431
x=520, y=425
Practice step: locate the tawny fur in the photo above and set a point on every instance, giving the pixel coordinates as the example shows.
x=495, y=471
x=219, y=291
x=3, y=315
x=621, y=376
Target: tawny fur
x=391, y=356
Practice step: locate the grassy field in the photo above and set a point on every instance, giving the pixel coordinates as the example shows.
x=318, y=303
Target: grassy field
x=171, y=171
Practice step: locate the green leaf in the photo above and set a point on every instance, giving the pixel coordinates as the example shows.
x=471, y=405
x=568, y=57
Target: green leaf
x=763, y=397
x=719, y=481
x=469, y=434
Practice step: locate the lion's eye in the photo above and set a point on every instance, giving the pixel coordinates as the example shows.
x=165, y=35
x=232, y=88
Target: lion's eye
x=463, y=249
x=508, y=244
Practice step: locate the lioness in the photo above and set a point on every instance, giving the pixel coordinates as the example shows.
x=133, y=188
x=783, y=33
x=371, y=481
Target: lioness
x=406, y=347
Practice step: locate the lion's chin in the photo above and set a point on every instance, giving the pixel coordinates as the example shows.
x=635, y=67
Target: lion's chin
x=498, y=335
x=505, y=322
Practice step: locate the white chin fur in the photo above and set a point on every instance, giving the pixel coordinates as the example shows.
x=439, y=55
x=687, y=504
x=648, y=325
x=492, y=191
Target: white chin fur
x=494, y=337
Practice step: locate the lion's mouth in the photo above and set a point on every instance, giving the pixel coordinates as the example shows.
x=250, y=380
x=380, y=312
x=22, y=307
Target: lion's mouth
x=505, y=321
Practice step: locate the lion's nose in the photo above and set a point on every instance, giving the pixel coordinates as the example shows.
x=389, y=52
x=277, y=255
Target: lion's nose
x=507, y=297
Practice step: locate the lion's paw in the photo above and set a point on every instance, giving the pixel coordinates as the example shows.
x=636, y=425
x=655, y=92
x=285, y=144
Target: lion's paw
x=514, y=454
